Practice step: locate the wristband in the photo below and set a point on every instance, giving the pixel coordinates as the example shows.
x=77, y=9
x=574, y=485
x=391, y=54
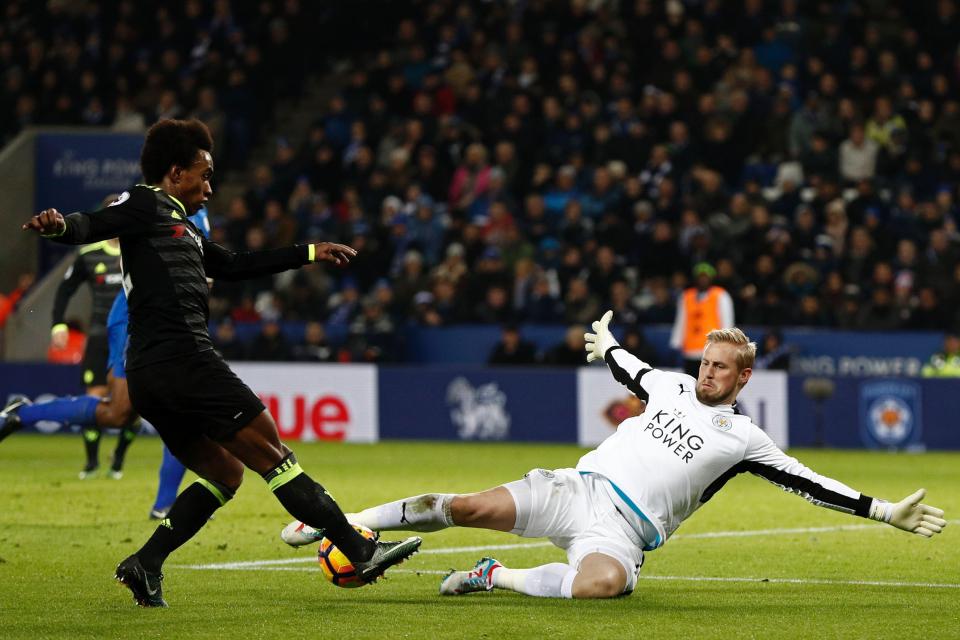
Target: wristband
x=59, y=327
x=56, y=234
x=311, y=252
x=881, y=510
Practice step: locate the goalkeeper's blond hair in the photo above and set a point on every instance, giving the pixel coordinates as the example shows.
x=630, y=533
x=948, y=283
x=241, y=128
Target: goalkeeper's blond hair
x=746, y=350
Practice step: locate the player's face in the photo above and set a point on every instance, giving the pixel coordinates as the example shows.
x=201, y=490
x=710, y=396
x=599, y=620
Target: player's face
x=719, y=380
x=194, y=182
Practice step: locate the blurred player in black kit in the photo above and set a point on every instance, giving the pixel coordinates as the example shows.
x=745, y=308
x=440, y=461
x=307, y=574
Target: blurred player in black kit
x=96, y=265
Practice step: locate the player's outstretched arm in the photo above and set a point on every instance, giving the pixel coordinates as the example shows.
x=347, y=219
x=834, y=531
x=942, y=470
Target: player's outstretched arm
x=910, y=515
x=223, y=264
x=131, y=213
x=763, y=458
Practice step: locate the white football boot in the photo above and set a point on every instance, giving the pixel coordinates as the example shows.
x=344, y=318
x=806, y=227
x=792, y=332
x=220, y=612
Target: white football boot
x=480, y=578
x=298, y=534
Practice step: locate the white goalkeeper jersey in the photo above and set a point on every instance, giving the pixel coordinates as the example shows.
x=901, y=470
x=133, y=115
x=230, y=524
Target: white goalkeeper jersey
x=662, y=465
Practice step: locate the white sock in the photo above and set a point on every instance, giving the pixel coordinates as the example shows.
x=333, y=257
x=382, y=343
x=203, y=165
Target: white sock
x=553, y=580
x=429, y=512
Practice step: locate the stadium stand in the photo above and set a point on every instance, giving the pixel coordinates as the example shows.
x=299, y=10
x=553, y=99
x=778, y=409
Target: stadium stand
x=538, y=162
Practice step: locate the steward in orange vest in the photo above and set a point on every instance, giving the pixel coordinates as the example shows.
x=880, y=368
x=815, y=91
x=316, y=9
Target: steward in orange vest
x=700, y=310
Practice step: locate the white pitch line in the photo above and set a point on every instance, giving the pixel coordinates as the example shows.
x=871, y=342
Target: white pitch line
x=277, y=563
x=452, y=550
x=254, y=564
x=863, y=583
x=821, y=581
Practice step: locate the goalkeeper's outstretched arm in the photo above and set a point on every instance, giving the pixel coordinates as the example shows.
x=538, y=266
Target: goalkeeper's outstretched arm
x=765, y=459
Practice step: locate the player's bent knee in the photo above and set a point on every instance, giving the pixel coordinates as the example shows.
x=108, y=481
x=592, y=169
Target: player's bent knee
x=607, y=586
x=115, y=414
x=599, y=580
x=126, y=417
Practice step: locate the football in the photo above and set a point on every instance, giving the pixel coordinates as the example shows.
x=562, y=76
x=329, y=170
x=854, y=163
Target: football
x=336, y=567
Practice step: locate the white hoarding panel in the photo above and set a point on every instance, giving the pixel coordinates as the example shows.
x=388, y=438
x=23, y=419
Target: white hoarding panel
x=317, y=401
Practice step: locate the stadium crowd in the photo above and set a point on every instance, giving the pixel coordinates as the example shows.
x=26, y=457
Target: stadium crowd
x=538, y=162
x=125, y=65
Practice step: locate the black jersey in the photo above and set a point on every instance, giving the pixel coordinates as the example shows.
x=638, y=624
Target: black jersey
x=166, y=261
x=98, y=265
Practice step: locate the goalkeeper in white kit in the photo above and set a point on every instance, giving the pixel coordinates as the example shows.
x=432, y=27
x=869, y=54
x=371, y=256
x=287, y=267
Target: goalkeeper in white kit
x=632, y=492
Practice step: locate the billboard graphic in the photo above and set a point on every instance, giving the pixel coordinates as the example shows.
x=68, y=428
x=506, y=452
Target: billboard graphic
x=480, y=412
x=316, y=401
x=453, y=403
x=890, y=414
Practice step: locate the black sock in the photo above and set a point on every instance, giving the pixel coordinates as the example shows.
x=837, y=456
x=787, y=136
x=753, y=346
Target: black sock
x=91, y=442
x=309, y=502
x=127, y=434
x=190, y=511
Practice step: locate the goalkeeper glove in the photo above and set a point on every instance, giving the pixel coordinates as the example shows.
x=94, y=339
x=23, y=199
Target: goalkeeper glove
x=910, y=514
x=597, y=344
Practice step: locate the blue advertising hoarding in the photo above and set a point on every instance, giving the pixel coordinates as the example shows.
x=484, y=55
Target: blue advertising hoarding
x=541, y=405
x=893, y=413
x=457, y=403
x=75, y=171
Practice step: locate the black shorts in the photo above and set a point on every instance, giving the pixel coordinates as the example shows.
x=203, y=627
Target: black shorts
x=193, y=395
x=94, y=365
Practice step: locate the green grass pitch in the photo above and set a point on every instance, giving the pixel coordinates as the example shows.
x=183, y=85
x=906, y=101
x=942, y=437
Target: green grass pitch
x=60, y=539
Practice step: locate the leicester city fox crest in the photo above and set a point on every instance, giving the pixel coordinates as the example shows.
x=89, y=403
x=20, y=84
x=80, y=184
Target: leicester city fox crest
x=890, y=413
x=723, y=423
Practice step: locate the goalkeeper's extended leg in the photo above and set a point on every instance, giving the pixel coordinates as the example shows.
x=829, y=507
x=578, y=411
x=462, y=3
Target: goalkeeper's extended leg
x=492, y=509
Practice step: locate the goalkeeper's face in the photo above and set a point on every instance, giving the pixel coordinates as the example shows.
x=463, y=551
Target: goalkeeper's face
x=719, y=380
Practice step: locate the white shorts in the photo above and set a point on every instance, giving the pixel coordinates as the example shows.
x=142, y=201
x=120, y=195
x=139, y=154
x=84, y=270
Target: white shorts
x=574, y=511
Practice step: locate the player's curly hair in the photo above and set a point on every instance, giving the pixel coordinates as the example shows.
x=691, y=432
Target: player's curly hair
x=172, y=143
x=746, y=350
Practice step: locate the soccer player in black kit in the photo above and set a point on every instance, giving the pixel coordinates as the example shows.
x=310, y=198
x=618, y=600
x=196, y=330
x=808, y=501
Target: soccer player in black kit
x=208, y=418
x=97, y=265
